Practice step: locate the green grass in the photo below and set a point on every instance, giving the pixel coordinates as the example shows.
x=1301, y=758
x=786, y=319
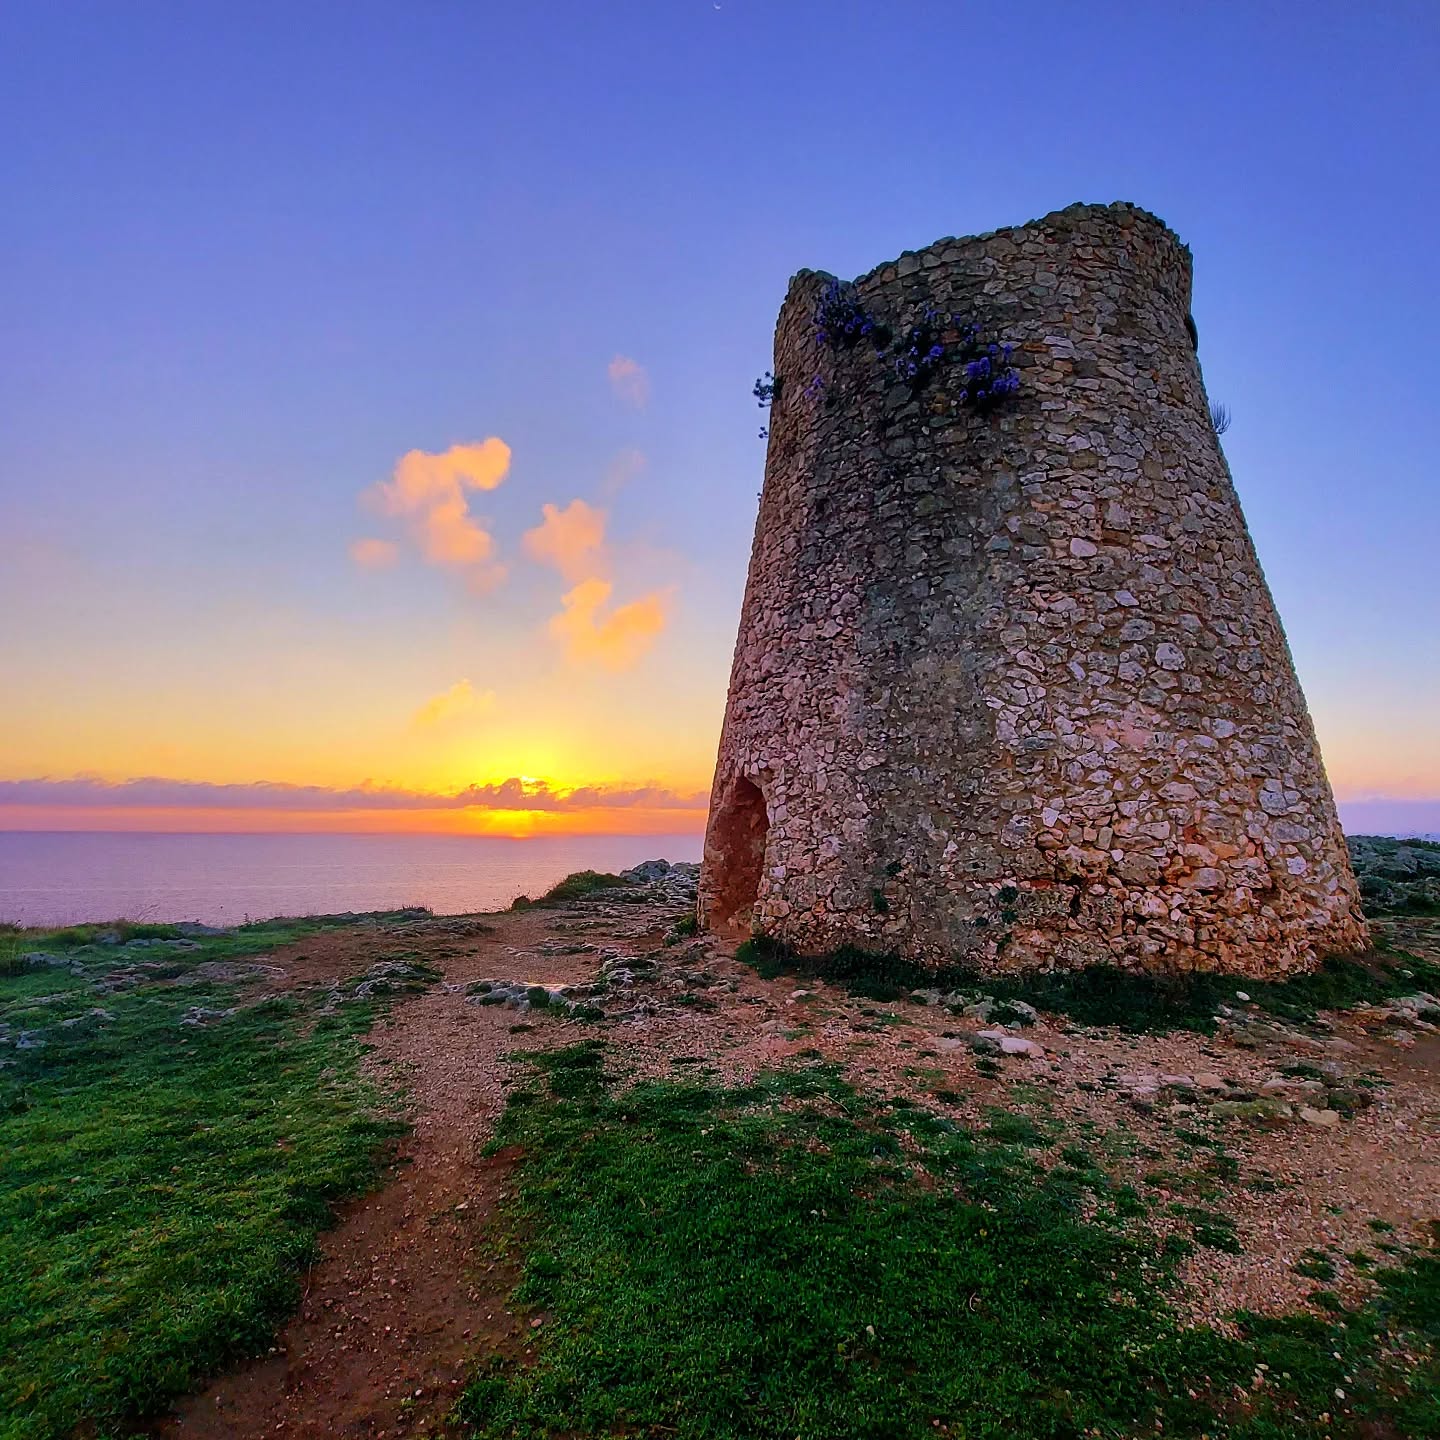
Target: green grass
x=684, y=927
x=1012, y=1128
x=1213, y=1230
x=1315, y=1265
x=1104, y=995
x=80, y=942
x=163, y=1184
x=790, y=1260
x=67, y=937
x=575, y=886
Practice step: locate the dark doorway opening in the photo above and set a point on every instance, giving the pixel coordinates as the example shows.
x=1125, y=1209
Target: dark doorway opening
x=737, y=857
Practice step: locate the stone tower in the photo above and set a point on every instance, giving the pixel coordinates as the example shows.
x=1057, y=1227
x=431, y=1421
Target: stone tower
x=1010, y=688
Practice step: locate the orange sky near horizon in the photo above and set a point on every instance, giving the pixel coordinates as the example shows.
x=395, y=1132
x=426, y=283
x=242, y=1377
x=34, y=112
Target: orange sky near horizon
x=505, y=824
x=466, y=653
x=1359, y=772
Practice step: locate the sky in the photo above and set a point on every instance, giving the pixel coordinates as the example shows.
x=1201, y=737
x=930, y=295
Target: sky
x=376, y=441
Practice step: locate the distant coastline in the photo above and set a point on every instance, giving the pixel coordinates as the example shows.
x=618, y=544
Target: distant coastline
x=78, y=877
x=1409, y=819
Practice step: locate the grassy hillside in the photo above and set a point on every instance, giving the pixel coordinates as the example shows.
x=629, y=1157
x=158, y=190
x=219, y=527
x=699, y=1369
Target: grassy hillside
x=173, y=1145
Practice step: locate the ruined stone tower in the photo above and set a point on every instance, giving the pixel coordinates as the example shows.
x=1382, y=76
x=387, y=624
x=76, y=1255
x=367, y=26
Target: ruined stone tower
x=1009, y=687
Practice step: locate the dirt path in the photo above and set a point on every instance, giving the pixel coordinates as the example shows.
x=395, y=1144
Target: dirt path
x=408, y=1297
x=399, y=1308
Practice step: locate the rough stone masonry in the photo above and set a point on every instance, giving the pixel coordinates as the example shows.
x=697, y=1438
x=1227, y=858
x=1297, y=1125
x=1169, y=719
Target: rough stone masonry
x=1010, y=689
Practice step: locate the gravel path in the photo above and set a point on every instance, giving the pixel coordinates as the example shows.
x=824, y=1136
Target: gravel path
x=408, y=1294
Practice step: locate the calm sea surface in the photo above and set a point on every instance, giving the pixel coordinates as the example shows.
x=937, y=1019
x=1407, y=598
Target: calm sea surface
x=65, y=879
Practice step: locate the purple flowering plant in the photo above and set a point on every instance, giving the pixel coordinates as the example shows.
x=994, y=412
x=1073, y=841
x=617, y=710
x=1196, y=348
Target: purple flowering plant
x=990, y=379
x=842, y=322
x=919, y=350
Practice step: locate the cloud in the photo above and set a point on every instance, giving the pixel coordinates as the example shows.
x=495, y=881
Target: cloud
x=616, y=640
x=629, y=381
x=515, y=793
x=371, y=554
x=460, y=699
x=572, y=539
x=428, y=494
x=628, y=465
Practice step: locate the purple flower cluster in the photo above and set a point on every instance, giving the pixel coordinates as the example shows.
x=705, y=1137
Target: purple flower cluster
x=936, y=339
x=919, y=350
x=989, y=375
x=842, y=321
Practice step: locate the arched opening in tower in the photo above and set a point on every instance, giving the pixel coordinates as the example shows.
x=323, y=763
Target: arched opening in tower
x=737, y=857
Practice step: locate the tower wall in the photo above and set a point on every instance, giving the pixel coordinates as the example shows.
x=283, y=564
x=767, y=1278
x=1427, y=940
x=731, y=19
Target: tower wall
x=1010, y=688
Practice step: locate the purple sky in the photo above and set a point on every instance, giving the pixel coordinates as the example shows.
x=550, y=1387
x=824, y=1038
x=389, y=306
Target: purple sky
x=255, y=254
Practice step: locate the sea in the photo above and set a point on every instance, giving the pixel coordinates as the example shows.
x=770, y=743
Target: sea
x=70, y=878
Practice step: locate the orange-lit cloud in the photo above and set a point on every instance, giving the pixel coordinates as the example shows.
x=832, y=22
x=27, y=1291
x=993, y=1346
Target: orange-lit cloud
x=591, y=630
x=515, y=794
x=370, y=554
x=428, y=493
x=615, y=640
x=515, y=807
x=460, y=699
x=509, y=824
x=629, y=381
x=572, y=539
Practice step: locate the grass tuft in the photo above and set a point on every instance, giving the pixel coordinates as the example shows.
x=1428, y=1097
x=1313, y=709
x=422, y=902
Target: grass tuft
x=1105, y=995
x=575, y=886
x=789, y=1259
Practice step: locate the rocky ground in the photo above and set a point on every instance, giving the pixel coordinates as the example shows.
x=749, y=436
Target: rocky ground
x=1329, y=1131
x=1397, y=875
x=1309, y=1146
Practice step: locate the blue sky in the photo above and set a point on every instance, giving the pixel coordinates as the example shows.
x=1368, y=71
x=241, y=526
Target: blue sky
x=256, y=253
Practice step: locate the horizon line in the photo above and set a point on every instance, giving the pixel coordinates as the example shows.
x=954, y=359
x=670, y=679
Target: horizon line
x=372, y=834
